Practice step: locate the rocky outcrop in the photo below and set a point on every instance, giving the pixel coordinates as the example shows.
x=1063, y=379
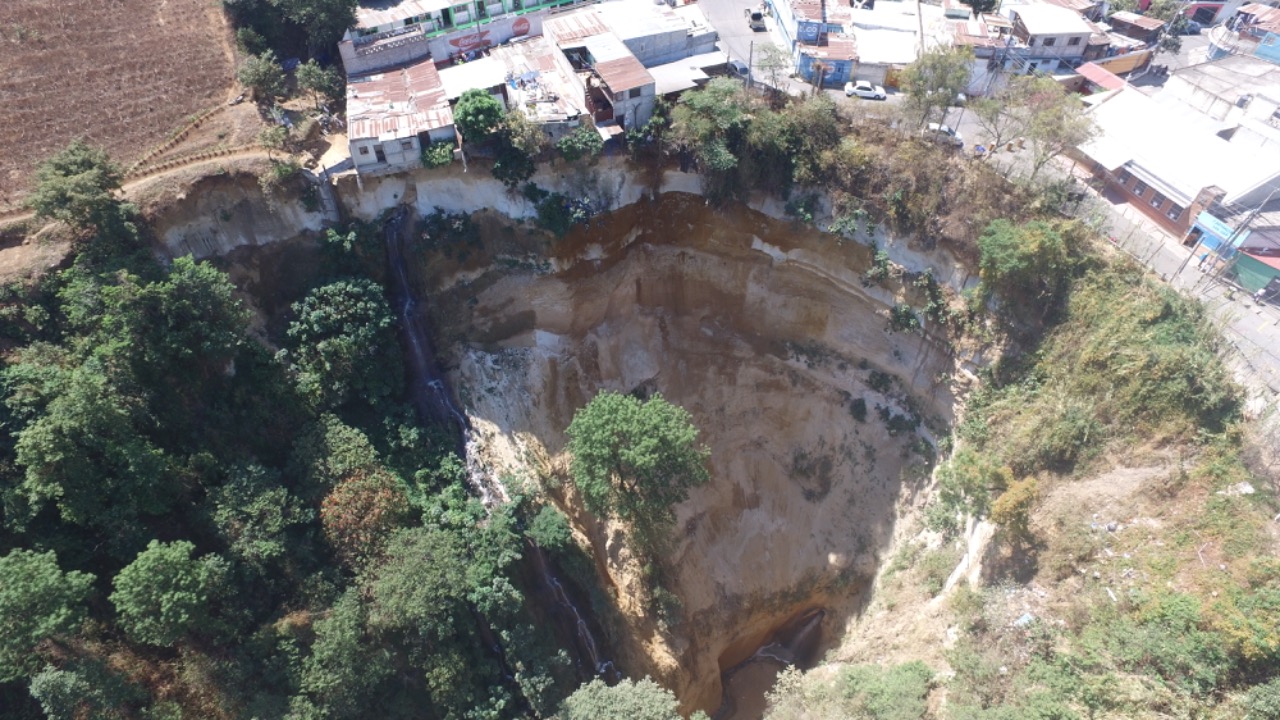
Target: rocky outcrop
x=765, y=332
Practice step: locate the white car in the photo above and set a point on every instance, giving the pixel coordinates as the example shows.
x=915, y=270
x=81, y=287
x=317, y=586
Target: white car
x=944, y=134
x=864, y=89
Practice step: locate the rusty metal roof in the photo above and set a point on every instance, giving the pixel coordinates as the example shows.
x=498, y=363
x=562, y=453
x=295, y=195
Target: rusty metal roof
x=574, y=26
x=397, y=103
x=838, y=47
x=623, y=73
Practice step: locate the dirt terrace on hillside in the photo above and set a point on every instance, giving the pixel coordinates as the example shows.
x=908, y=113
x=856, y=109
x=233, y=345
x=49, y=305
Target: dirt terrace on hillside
x=124, y=74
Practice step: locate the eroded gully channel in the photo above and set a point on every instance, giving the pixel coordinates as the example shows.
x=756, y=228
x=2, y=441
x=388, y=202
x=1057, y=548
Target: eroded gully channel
x=434, y=403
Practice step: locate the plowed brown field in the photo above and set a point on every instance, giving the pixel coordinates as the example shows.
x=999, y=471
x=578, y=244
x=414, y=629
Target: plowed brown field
x=124, y=74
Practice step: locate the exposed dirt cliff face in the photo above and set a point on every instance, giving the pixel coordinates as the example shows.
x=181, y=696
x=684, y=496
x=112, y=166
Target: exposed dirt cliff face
x=765, y=332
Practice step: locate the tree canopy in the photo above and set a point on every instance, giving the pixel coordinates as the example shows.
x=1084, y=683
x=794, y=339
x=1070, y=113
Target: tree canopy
x=165, y=593
x=320, y=81
x=77, y=186
x=263, y=75
x=635, y=459
x=37, y=601
x=934, y=80
x=478, y=115
x=628, y=700
x=343, y=344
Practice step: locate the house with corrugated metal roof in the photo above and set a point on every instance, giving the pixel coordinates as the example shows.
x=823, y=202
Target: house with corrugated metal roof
x=618, y=90
x=393, y=115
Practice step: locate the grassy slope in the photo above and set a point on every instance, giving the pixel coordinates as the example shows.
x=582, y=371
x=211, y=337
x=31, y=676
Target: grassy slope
x=1123, y=415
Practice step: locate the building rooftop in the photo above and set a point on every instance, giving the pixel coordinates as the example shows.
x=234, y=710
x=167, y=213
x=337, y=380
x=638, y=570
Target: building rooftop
x=1100, y=76
x=1233, y=76
x=1077, y=6
x=684, y=74
x=1145, y=22
x=614, y=62
x=629, y=19
x=540, y=80
x=380, y=13
x=397, y=103
x=1050, y=20
x=838, y=47
x=975, y=33
x=1176, y=145
x=485, y=72
x=573, y=26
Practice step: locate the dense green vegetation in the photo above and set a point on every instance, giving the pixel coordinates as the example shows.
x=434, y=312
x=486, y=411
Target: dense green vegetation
x=636, y=458
x=196, y=526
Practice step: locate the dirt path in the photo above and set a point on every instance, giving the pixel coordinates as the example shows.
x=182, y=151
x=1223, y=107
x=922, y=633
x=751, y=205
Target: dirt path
x=252, y=152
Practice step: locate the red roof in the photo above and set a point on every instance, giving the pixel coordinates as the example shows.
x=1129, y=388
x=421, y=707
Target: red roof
x=1273, y=262
x=1101, y=76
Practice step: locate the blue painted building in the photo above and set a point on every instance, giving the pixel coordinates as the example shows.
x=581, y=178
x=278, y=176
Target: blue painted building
x=1214, y=235
x=820, y=37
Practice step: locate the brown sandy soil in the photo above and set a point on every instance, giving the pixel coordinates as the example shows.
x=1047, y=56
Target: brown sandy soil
x=123, y=74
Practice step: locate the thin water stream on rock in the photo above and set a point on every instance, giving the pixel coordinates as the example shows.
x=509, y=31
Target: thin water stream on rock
x=434, y=402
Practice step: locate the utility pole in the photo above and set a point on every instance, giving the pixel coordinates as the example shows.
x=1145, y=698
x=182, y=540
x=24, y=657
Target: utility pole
x=751, y=62
x=1230, y=240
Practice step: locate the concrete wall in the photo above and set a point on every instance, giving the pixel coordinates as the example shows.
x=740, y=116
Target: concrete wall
x=635, y=112
x=406, y=49
x=671, y=46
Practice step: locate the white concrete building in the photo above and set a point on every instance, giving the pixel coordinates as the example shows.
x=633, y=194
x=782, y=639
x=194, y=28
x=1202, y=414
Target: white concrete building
x=392, y=115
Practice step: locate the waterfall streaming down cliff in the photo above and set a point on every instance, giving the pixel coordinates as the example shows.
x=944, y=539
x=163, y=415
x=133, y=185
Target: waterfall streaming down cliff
x=434, y=403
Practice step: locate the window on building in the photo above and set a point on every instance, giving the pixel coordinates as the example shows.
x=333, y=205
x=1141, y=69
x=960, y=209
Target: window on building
x=1048, y=42
x=1174, y=212
x=406, y=144
x=1139, y=188
x=635, y=92
x=1124, y=177
x=1157, y=200
x=1074, y=41
x=364, y=150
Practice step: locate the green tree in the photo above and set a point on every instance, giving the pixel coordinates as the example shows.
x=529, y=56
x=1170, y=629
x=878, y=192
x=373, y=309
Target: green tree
x=263, y=75
x=478, y=115
x=86, y=455
x=1026, y=260
x=253, y=512
x=320, y=81
x=274, y=138
x=437, y=154
x=583, y=143
x=628, y=700
x=711, y=121
x=523, y=134
x=983, y=6
x=933, y=81
x=38, y=601
x=1173, y=13
x=77, y=186
x=324, y=21
x=343, y=345
x=636, y=459
x=1055, y=120
x=775, y=64
x=164, y=594
x=83, y=689
x=422, y=585
x=344, y=668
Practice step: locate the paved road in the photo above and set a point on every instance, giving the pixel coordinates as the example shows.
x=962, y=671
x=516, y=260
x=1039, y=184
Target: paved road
x=735, y=36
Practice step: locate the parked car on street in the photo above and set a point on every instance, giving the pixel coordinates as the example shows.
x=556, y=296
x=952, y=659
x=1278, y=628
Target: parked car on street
x=943, y=134
x=865, y=90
